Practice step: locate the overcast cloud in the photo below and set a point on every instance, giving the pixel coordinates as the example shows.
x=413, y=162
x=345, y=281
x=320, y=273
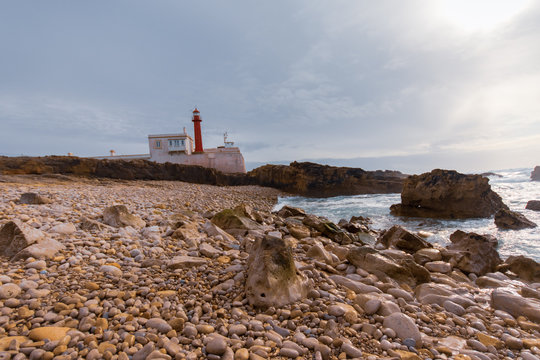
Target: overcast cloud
x=407, y=85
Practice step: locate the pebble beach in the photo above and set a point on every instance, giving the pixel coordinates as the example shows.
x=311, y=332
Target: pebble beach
x=172, y=285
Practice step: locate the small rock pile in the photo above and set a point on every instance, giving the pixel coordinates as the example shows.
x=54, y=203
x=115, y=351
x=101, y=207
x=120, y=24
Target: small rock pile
x=170, y=270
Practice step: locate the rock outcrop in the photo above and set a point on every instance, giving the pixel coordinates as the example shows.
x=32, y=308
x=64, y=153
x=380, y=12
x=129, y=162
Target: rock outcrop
x=525, y=268
x=533, y=205
x=399, y=238
x=273, y=279
x=310, y=179
x=535, y=174
x=304, y=178
x=473, y=253
x=447, y=194
x=511, y=220
x=119, y=216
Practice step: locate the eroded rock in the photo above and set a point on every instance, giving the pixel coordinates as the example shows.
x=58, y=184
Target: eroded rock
x=16, y=236
x=119, y=216
x=399, y=238
x=511, y=220
x=473, y=253
x=273, y=279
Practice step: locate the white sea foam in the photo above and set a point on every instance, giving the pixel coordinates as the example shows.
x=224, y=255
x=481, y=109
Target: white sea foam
x=515, y=187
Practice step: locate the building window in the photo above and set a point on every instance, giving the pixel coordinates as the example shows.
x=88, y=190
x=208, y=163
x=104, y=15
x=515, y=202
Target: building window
x=157, y=144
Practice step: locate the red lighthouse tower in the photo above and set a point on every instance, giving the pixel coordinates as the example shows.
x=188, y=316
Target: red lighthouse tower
x=197, y=129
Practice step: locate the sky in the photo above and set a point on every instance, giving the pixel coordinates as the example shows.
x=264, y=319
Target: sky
x=402, y=85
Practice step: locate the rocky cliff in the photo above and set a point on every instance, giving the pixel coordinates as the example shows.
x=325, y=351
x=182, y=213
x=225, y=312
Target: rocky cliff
x=447, y=194
x=535, y=175
x=306, y=179
x=310, y=179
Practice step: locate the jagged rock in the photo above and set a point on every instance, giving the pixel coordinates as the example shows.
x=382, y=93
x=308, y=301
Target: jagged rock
x=329, y=229
x=234, y=219
x=16, y=236
x=447, y=194
x=525, y=268
x=119, y=216
x=403, y=270
x=515, y=305
x=273, y=279
x=402, y=239
x=33, y=199
x=535, y=174
x=45, y=248
x=473, y=253
x=214, y=230
x=533, y=205
x=288, y=211
x=511, y=220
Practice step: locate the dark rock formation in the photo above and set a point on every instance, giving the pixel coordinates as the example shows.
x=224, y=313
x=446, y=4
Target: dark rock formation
x=306, y=179
x=535, y=174
x=399, y=238
x=511, y=220
x=472, y=253
x=447, y=194
x=273, y=279
x=525, y=268
x=533, y=205
x=309, y=179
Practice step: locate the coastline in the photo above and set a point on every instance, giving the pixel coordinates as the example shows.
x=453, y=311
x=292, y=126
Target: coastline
x=118, y=292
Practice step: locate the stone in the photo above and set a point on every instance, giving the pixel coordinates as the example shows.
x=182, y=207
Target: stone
x=399, y=238
x=447, y=194
x=488, y=340
x=438, y=266
x=64, y=229
x=9, y=290
x=214, y=230
x=351, y=351
x=515, y=305
x=16, y=236
x=404, y=270
x=182, y=262
x=423, y=256
x=288, y=211
x=319, y=253
x=145, y=352
x=454, y=308
x=33, y=199
x=119, y=216
x=45, y=248
x=356, y=286
x=273, y=279
x=158, y=324
x=111, y=270
x=298, y=231
x=404, y=327
x=473, y=253
x=525, y=268
x=328, y=229
x=511, y=220
x=241, y=354
x=217, y=345
x=533, y=205
x=234, y=219
x=208, y=250
x=53, y=333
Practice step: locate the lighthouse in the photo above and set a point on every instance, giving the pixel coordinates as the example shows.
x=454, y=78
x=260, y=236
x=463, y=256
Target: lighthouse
x=197, y=130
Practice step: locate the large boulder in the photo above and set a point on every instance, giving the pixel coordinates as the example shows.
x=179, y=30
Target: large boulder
x=399, y=238
x=447, y=194
x=511, y=220
x=535, y=174
x=119, y=216
x=473, y=253
x=273, y=279
x=234, y=219
x=16, y=235
x=20, y=241
x=506, y=300
x=525, y=268
x=403, y=270
x=533, y=205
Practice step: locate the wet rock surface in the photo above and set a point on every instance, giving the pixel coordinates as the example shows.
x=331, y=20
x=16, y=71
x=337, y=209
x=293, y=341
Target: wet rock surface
x=511, y=220
x=176, y=287
x=535, y=174
x=533, y=205
x=447, y=194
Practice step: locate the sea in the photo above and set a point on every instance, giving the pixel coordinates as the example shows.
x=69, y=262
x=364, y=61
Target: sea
x=513, y=185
